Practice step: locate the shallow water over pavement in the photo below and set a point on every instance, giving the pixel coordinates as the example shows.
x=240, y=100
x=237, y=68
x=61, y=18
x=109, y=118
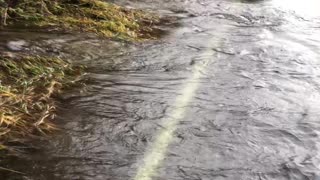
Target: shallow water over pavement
x=240, y=81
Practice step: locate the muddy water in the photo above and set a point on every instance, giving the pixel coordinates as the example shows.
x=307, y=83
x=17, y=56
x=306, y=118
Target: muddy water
x=233, y=93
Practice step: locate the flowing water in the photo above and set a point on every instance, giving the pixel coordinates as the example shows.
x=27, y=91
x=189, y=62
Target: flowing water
x=230, y=93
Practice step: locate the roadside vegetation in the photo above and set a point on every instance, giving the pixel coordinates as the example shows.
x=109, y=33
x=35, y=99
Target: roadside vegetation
x=27, y=85
x=95, y=16
x=28, y=82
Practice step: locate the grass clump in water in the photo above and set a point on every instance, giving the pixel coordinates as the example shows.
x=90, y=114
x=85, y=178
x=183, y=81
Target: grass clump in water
x=80, y=15
x=27, y=85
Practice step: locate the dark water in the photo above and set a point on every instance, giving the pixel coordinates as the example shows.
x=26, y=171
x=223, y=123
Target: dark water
x=255, y=105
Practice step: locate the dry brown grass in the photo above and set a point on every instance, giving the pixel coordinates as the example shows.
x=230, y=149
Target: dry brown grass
x=27, y=85
x=96, y=16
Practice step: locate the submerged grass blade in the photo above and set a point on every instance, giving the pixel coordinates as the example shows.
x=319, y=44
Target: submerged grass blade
x=10, y=170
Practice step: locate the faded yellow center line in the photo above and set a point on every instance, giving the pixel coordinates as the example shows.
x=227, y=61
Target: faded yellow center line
x=158, y=149
x=157, y=153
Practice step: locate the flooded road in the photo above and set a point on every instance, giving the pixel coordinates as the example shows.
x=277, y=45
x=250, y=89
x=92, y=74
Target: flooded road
x=232, y=93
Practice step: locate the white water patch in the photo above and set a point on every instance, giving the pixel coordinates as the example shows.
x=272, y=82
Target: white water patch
x=302, y=7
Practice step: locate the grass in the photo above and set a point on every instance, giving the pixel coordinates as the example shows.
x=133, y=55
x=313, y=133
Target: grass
x=95, y=16
x=27, y=85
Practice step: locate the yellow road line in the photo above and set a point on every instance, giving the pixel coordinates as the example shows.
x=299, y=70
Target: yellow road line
x=157, y=153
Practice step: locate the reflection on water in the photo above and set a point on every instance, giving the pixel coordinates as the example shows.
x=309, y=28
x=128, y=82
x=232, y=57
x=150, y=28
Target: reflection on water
x=303, y=7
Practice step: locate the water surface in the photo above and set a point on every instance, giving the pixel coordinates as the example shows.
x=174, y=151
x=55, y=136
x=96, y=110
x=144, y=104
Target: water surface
x=254, y=107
